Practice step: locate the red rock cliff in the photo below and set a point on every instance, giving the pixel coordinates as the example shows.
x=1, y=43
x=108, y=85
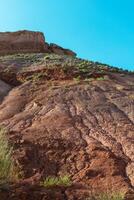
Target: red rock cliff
x=21, y=42
x=28, y=42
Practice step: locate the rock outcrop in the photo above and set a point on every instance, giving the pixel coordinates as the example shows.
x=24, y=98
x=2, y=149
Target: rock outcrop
x=28, y=42
x=21, y=42
x=61, y=51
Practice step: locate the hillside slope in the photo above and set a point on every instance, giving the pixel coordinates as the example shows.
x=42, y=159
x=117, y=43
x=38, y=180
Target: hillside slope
x=65, y=115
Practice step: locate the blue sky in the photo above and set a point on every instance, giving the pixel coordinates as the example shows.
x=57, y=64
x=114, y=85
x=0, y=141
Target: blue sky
x=99, y=30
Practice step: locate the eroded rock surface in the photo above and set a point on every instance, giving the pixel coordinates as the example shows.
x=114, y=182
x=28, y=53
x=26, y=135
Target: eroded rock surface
x=80, y=127
x=4, y=89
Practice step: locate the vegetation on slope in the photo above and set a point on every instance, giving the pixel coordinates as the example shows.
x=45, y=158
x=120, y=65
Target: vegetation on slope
x=7, y=168
x=42, y=66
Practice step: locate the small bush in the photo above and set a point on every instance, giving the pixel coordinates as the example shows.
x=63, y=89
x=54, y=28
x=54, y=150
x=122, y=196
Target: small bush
x=56, y=181
x=77, y=79
x=100, y=79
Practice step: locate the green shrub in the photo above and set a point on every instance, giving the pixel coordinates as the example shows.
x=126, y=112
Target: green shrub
x=56, y=181
x=100, y=79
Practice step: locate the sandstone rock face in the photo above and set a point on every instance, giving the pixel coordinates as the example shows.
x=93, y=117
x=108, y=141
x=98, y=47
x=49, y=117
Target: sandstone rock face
x=21, y=42
x=28, y=42
x=60, y=125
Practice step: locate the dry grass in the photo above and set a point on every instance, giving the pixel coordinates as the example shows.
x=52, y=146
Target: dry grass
x=7, y=169
x=107, y=196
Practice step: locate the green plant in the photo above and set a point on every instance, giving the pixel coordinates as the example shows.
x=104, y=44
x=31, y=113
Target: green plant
x=56, y=181
x=113, y=196
x=89, y=79
x=100, y=79
x=77, y=78
x=108, y=196
x=7, y=169
x=46, y=57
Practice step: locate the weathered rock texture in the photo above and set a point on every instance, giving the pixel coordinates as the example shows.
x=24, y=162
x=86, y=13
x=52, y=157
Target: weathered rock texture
x=4, y=89
x=59, y=125
x=28, y=42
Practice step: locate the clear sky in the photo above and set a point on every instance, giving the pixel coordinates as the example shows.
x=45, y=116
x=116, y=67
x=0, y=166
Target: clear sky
x=98, y=30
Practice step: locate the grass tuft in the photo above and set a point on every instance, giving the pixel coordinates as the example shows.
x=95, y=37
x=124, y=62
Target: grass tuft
x=56, y=181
